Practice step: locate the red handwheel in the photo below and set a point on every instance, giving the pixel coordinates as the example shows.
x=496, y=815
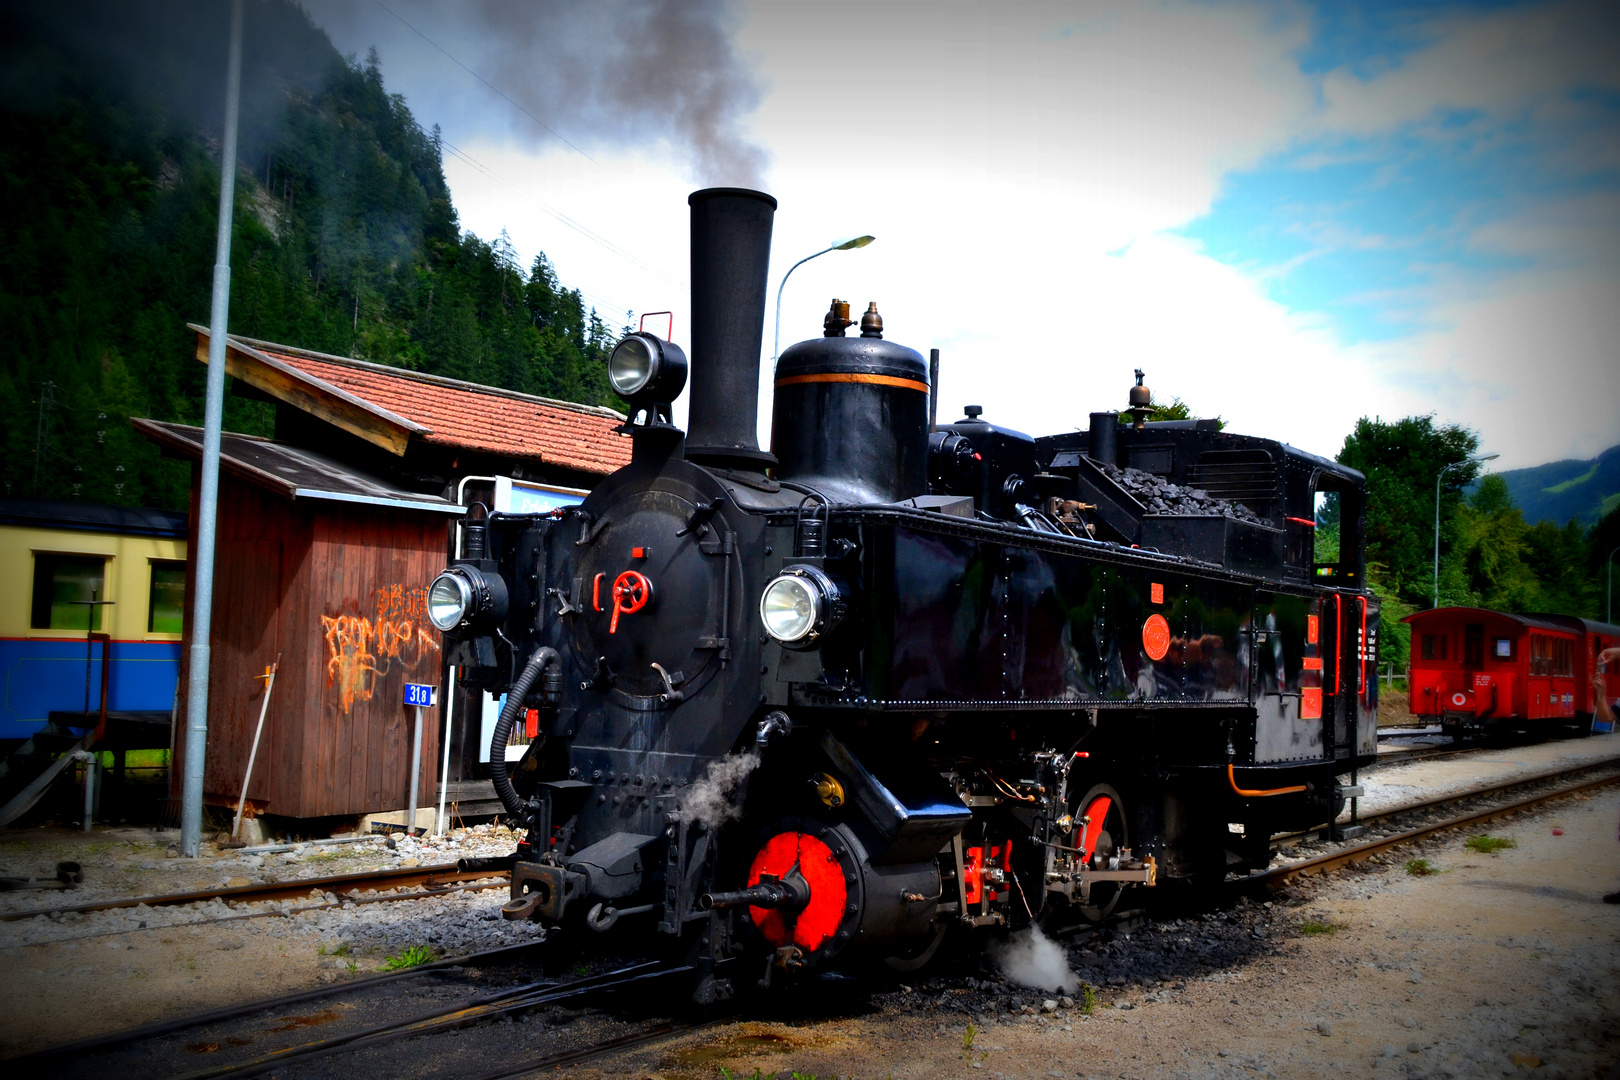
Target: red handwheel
x=631, y=591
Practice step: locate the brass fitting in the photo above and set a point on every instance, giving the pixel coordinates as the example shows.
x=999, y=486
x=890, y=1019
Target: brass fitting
x=828, y=790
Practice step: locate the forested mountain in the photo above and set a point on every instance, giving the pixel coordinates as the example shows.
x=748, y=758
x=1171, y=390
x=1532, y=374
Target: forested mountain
x=345, y=237
x=1563, y=491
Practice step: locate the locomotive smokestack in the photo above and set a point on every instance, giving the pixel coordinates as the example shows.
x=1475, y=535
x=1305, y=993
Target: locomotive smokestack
x=731, y=254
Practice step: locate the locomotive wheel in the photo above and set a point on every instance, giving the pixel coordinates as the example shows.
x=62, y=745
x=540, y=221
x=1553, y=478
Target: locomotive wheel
x=921, y=956
x=1105, y=836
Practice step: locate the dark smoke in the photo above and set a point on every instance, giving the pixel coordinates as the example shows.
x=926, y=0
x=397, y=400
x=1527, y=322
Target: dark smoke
x=642, y=68
x=613, y=72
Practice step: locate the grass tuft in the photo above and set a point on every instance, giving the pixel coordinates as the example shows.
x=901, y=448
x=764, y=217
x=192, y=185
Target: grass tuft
x=411, y=957
x=1316, y=926
x=1421, y=867
x=1088, y=999
x=1490, y=845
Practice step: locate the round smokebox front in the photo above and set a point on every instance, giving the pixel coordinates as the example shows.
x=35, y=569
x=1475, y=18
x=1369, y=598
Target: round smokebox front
x=851, y=419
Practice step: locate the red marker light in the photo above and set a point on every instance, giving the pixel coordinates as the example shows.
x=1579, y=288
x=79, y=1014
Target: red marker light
x=638, y=553
x=978, y=457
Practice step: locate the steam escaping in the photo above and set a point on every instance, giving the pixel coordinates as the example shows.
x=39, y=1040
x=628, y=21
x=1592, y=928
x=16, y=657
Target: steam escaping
x=661, y=74
x=1030, y=958
x=712, y=800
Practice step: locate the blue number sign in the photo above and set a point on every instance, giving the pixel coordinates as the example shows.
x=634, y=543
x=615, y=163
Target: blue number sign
x=420, y=694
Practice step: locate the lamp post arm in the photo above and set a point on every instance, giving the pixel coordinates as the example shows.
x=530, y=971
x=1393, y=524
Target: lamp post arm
x=776, y=343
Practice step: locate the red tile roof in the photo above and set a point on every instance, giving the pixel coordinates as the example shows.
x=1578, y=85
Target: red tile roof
x=467, y=415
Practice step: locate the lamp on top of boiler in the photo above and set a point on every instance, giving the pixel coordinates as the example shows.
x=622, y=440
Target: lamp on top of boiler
x=842, y=245
x=1455, y=464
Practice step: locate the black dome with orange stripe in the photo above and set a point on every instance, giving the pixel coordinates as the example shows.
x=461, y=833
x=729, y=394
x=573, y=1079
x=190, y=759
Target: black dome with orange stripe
x=851, y=416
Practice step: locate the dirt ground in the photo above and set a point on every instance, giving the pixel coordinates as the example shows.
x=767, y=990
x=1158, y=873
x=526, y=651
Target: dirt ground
x=1495, y=965
x=1502, y=964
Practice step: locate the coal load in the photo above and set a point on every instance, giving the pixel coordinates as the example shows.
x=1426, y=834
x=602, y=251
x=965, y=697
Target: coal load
x=1160, y=496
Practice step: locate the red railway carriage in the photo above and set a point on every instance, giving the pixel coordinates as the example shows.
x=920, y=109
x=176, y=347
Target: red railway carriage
x=1474, y=669
x=1596, y=636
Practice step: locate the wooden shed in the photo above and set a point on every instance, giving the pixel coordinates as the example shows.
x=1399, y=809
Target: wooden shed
x=320, y=568
x=328, y=536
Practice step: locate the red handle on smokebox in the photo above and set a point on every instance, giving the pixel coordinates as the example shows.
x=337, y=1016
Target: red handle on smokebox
x=631, y=591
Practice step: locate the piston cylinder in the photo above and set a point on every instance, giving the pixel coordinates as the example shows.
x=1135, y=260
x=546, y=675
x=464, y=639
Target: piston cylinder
x=851, y=415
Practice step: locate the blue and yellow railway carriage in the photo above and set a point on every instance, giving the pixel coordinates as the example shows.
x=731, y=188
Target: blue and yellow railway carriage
x=59, y=561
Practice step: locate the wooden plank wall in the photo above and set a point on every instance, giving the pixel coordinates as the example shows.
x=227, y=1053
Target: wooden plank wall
x=361, y=598
x=339, y=591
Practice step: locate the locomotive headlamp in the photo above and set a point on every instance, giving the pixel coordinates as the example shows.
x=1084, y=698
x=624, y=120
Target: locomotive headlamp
x=647, y=370
x=799, y=605
x=464, y=593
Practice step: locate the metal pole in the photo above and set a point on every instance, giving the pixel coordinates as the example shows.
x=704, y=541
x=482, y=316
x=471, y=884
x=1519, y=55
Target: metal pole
x=202, y=604
x=416, y=773
x=439, y=823
x=776, y=343
x=89, y=789
x=1437, y=480
x=1610, y=561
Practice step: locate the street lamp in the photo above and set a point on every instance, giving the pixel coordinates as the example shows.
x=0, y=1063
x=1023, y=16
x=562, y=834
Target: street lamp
x=1610, y=563
x=845, y=245
x=1437, y=479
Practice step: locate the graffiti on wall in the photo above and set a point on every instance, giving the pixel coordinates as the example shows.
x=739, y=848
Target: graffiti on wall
x=361, y=650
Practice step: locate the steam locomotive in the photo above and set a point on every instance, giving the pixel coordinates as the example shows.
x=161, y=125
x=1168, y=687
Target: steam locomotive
x=895, y=678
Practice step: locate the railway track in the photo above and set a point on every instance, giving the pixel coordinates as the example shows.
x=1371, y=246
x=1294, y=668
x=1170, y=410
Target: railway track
x=433, y=880
x=431, y=1003
x=357, y=1017
x=1360, y=852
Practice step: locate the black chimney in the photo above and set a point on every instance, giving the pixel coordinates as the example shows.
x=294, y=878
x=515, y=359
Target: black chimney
x=731, y=255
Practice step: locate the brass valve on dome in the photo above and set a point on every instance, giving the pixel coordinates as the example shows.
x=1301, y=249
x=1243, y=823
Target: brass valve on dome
x=872, y=322
x=1141, y=402
x=837, y=319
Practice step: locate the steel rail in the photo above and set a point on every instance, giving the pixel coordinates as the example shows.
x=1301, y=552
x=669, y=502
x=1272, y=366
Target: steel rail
x=324, y=905
x=229, y=1012
x=630, y=1041
x=1361, y=852
x=528, y=996
x=400, y=878
x=1472, y=793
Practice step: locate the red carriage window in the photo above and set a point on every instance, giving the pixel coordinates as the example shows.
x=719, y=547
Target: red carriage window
x=1434, y=646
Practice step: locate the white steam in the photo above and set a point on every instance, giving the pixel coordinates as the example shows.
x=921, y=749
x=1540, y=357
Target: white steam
x=712, y=799
x=1030, y=958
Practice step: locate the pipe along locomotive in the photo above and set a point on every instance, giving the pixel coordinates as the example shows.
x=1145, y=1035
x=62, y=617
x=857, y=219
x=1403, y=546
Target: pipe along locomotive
x=890, y=678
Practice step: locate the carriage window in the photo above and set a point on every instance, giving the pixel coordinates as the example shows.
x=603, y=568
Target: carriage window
x=166, y=601
x=1502, y=648
x=59, y=581
x=1434, y=646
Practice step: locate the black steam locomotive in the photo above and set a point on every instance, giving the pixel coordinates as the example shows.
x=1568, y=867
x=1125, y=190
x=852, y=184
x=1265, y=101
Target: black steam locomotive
x=896, y=677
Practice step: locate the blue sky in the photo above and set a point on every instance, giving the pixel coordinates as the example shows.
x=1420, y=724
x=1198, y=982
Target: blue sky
x=1364, y=227
x=1289, y=214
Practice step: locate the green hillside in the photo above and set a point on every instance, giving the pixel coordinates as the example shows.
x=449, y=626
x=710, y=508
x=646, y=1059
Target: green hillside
x=1563, y=491
x=345, y=237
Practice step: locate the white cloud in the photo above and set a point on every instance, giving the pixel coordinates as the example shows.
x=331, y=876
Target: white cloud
x=1000, y=153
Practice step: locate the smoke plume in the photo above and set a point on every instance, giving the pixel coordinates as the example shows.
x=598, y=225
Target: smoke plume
x=659, y=74
x=712, y=800
x=1030, y=958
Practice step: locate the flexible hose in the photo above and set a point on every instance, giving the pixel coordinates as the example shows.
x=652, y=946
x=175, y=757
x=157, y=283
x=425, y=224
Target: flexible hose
x=515, y=698
x=1231, y=778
